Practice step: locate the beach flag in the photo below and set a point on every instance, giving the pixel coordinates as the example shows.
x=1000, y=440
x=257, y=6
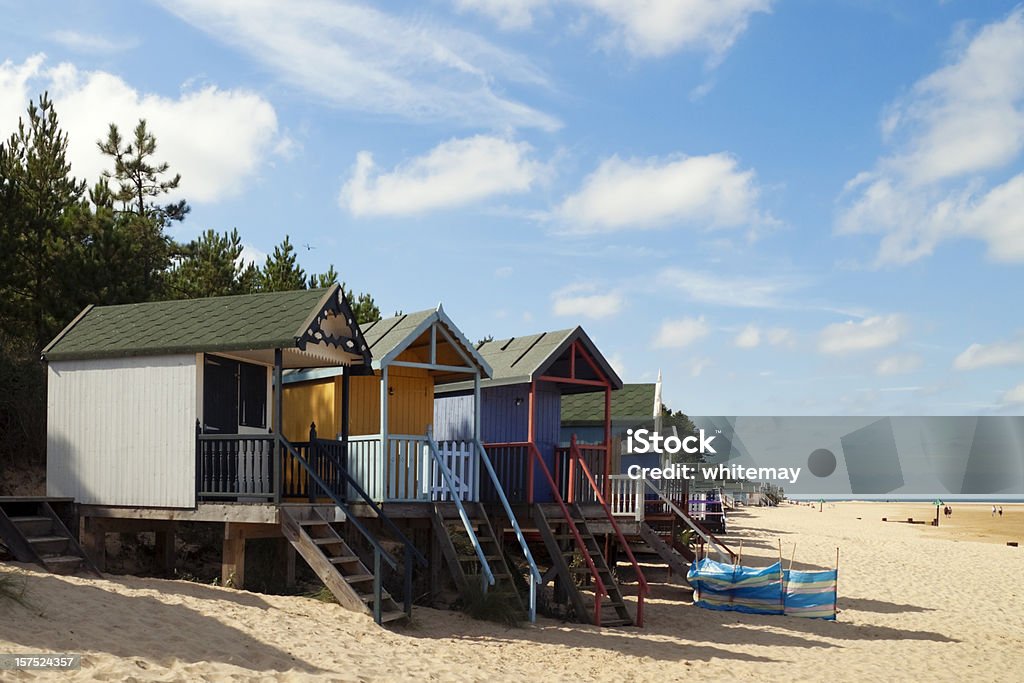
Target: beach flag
x=763, y=590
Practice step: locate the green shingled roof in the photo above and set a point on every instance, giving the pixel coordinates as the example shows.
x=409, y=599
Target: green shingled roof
x=519, y=360
x=225, y=323
x=384, y=336
x=632, y=402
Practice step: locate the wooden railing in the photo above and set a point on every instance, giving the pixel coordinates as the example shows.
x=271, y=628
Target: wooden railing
x=461, y=461
x=511, y=463
x=405, y=463
x=365, y=465
x=496, y=484
x=571, y=481
x=323, y=488
x=600, y=590
x=698, y=527
x=233, y=466
x=642, y=590
x=626, y=497
x=295, y=482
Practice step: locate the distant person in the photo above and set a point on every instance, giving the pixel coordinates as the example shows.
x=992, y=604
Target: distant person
x=1000, y=510
x=993, y=510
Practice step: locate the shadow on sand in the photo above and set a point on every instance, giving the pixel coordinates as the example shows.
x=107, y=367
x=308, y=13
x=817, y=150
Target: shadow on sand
x=128, y=626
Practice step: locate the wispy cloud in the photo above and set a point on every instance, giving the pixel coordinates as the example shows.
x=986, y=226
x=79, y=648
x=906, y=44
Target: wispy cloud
x=586, y=300
x=217, y=139
x=636, y=194
x=1000, y=353
x=678, y=334
x=1014, y=396
x=455, y=173
x=898, y=365
x=360, y=58
x=877, y=332
x=725, y=290
x=646, y=29
x=92, y=42
x=956, y=125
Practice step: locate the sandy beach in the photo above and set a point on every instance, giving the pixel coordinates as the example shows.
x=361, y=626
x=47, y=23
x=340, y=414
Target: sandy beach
x=916, y=602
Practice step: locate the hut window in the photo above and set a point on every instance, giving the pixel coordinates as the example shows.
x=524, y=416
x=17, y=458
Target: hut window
x=252, y=395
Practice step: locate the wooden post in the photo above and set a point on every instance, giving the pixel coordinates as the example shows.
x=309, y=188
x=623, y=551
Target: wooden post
x=386, y=466
x=278, y=462
x=346, y=375
x=313, y=457
x=529, y=437
x=835, y=601
x=166, y=555
x=607, y=439
x=289, y=563
x=232, y=568
x=94, y=541
x=475, y=458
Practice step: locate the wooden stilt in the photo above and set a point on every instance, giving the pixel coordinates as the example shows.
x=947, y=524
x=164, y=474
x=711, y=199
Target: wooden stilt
x=232, y=569
x=166, y=555
x=94, y=541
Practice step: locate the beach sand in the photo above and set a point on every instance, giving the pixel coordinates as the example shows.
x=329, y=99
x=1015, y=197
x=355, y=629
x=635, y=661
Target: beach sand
x=916, y=603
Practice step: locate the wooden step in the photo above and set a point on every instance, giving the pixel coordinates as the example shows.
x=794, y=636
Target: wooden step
x=328, y=541
x=344, y=559
x=387, y=617
x=46, y=539
x=357, y=578
x=313, y=522
x=616, y=622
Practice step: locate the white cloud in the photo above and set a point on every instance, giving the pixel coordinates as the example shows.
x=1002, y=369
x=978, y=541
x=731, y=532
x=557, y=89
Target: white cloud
x=653, y=28
x=898, y=365
x=503, y=271
x=677, y=334
x=871, y=333
x=360, y=58
x=956, y=124
x=585, y=300
x=455, y=173
x=698, y=366
x=216, y=139
x=702, y=191
x=252, y=254
x=780, y=336
x=1014, y=396
x=617, y=361
x=91, y=42
x=978, y=356
x=510, y=14
x=748, y=338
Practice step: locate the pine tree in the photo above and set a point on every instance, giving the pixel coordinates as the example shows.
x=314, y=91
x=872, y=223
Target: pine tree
x=211, y=265
x=281, y=272
x=36, y=192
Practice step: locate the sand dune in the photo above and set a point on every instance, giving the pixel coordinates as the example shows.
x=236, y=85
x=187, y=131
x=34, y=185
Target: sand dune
x=917, y=602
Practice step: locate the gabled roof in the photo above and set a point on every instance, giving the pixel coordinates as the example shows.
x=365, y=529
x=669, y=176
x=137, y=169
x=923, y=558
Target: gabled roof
x=632, y=402
x=388, y=338
x=520, y=360
x=299, y=320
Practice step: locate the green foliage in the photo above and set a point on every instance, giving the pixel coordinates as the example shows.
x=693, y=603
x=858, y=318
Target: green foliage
x=490, y=605
x=211, y=265
x=13, y=589
x=62, y=248
x=281, y=272
x=363, y=306
x=140, y=179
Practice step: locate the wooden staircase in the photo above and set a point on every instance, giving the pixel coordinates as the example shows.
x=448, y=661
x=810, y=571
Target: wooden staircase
x=651, y=542
x=462, y=559
x=560, y=541
x=33, y=532
x=335, y=563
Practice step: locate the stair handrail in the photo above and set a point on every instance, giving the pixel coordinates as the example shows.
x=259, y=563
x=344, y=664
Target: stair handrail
x=580, y=545
x=379, y=552
x=453, y=491
x=709, y=538
x=536, y=580
x=642, y=588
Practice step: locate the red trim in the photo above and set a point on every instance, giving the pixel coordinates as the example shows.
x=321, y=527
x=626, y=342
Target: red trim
x=642, y=589
x=530, y=438
x=573, y=380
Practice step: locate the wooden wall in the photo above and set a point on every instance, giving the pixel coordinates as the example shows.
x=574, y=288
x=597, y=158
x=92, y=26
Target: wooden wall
x=122, y=431
x=312, y=401
x=410, y=406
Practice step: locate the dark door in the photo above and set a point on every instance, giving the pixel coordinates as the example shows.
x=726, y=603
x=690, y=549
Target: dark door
x=220, y=396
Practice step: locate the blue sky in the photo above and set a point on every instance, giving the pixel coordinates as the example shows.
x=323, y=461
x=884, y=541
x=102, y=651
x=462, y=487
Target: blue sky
x=790, y=207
